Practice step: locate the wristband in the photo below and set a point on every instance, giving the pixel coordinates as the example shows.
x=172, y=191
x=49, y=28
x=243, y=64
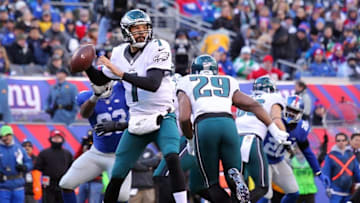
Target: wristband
x=94, y=98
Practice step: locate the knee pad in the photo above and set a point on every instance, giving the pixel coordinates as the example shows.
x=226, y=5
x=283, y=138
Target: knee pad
x=66, y=184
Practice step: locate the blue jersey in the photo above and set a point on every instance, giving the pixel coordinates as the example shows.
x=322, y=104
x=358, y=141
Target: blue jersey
x=275, y=152
x=113, y=108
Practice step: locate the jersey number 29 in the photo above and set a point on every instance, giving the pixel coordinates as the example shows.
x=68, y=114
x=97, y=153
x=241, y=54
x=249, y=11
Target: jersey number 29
x=221, y=86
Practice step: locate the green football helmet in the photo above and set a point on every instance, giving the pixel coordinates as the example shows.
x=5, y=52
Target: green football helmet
x=135, y=17
x=204, y=64
x=264, y=84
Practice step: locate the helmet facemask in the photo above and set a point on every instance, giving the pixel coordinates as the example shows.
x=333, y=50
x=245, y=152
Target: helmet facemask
x=293, y=115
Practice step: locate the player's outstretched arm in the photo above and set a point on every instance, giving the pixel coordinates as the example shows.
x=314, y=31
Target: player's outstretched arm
x=185, y=114
x=246, y=103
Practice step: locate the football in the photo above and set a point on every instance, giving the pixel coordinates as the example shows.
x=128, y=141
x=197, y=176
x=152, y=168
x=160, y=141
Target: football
x=82, y=58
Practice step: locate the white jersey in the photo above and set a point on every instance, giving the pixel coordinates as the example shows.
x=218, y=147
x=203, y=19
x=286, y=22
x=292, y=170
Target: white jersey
x=156, y=54
x=209, y=93
x=247, y=122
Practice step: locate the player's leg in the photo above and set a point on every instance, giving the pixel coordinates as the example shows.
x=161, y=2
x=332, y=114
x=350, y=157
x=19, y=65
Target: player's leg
x=257, y=168
x=196, y=183
x=270, y=191
x=207, y=142
x=285, y=179
x=168, y=140
x=84, y=169
x=107, y=165
x=128, y=151
x=161, y=178
x=231, y=158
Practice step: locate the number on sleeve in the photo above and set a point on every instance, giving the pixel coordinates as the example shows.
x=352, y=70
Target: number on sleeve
x=240, y=112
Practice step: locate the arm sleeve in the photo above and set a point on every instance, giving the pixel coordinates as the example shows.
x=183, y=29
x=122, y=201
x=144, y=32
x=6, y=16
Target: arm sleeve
x=151, y=82
x=310, y=157
x=98, y=77
x=308, y=104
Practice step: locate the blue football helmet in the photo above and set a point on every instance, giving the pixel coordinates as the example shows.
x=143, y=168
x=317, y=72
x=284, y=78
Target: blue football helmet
x=135, y=17
x=294, y=109
x=264, y=84
x=204, y=64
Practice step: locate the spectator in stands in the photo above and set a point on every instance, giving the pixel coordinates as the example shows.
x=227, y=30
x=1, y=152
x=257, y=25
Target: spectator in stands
x=4, y=16
x=142, y=177
x=26, y=19
x=83, y=23
x=267, y=69
x=244, y=15
x=55, y=65
x=57, y=31
x=45, y=22
x=4, y=61
x=244, y=64
x=32, y=184
x=328, y=40
x=52, y=164
x=14, y=163
x=239, y=41
x=19, y=52
x=350, y=68
x=300, y=16
x=280, y=43
x=226, y=19
x=342, y=168
x=337, y=57
x=318, y=115
x=319, y=67
x=298, y=44
x=70, y=28
x=60, y=103
x=8, y=32
x=224, y=62
x=301, y=90
x=350, y=44
x=38, y=47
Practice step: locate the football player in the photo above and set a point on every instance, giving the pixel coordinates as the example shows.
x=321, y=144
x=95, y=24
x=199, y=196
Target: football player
x=252, y=133
x=209, y=97
x=107, y=112
x=144, y=65
x=279, y=171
